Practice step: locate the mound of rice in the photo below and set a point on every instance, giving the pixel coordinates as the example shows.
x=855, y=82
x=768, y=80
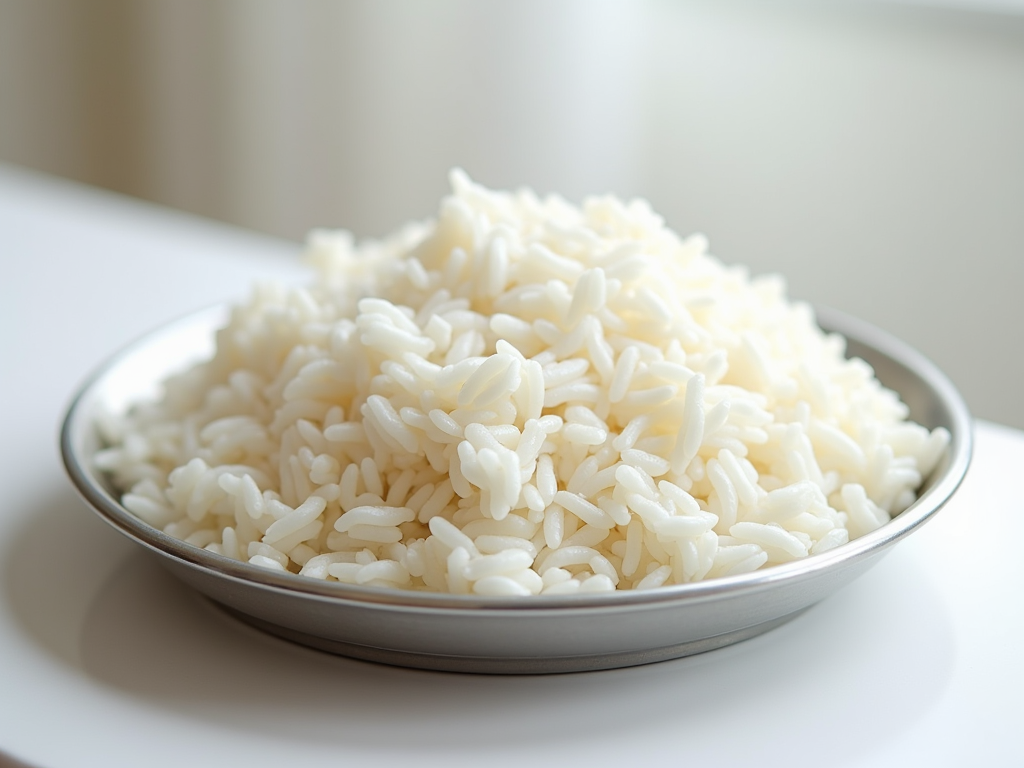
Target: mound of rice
x=521, y=397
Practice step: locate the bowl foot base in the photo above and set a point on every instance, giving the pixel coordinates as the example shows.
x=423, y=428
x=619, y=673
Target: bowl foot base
x=510, y=665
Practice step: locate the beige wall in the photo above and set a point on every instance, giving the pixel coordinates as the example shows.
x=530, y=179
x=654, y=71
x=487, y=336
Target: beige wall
x=873, y=153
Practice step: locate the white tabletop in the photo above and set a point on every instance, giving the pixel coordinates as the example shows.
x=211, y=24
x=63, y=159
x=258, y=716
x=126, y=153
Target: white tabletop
x=106, y=660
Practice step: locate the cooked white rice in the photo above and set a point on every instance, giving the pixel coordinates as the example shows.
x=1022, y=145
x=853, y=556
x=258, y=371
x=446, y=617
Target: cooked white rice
x=522, y=397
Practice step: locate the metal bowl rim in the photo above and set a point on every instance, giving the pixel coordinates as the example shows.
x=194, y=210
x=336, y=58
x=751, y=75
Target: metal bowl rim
x=859, y=331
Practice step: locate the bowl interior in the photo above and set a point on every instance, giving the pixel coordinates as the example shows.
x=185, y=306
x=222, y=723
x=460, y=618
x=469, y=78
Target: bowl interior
x=135, y=374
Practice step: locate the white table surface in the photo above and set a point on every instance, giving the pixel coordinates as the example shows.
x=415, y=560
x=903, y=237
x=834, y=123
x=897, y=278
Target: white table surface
x=105, y=660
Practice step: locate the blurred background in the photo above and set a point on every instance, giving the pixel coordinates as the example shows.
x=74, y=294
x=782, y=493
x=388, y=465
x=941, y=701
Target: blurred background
x=873, y=152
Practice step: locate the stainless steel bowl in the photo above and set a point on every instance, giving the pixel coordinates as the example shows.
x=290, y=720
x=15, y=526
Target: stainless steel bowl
x=510, y=635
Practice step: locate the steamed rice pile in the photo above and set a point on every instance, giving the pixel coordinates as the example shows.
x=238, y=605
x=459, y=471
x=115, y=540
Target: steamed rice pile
x=522, y=397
